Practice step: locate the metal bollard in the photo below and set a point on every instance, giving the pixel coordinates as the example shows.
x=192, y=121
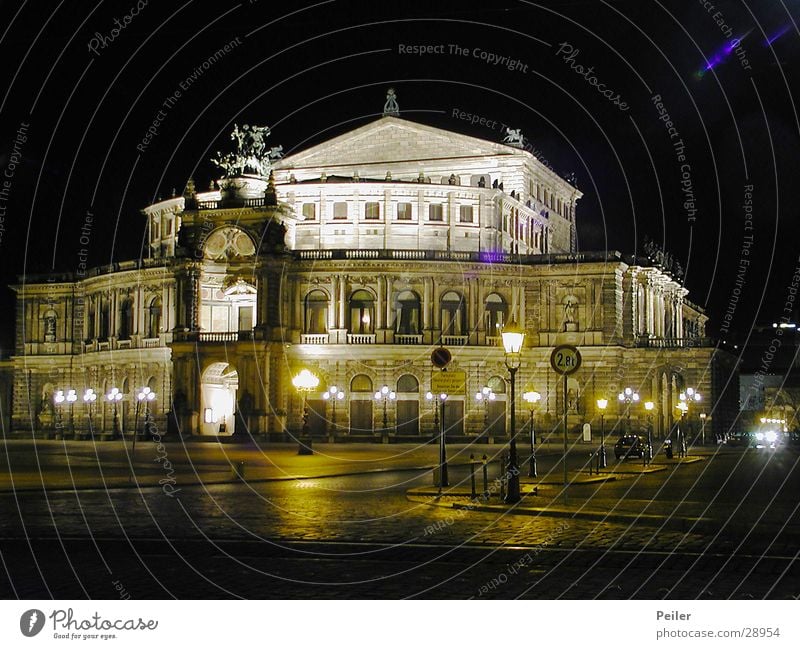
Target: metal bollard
x=472, y=475
x=485, y=476
x=591, y=462
x=238, y=470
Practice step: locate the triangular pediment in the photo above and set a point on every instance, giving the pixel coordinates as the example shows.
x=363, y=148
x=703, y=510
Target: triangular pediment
x=391, y=139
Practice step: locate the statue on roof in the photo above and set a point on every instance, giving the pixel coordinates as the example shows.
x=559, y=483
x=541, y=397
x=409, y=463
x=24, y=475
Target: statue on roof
x=251, y=156
x=514, y=137
x=391, y=107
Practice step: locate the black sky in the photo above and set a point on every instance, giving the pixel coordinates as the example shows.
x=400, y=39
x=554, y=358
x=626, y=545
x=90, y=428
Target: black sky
x=314, y=70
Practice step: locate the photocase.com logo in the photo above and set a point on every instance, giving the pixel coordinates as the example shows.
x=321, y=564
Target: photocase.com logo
x=31, y=622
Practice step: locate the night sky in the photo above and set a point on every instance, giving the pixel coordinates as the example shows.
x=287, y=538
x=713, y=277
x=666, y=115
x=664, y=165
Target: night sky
x=582, y=79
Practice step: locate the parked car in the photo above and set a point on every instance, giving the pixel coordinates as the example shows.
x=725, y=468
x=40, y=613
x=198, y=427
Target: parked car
x=630, y=446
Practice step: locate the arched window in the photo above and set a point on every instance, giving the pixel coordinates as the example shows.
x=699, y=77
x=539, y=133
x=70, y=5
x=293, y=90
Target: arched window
x=154, y=318
x=91, y=321
x=407, y=309
x=496, y=311
x=407, y=383
x=125, y=319
x=50, y=326
x=361, y=383
x=362, y=313
x=454, y=315
x=316, y=318
x=497, y=384
x=105, y=318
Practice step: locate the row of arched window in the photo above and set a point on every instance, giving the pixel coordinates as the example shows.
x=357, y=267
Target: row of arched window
x=99, y=321
x=407, y=313
x=408, y=383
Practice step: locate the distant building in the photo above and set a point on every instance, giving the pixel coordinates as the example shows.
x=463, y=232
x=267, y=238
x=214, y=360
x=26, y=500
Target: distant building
x=355, y=260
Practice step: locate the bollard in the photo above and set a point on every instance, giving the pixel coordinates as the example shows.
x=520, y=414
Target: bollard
x=485, y=477
x=238, y=470
x=473, y=495
x=591, y=462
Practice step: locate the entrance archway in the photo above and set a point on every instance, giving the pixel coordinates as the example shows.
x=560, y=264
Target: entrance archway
x=219, y=384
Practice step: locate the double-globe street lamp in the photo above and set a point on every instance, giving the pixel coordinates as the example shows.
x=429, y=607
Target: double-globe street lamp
x=485, y=395
x=304, y=382
x=686, y=399
x=533, y=398
x=387, y=395
x=513, y=337
x=602, y=404
x=333, y=395
x=628, y=396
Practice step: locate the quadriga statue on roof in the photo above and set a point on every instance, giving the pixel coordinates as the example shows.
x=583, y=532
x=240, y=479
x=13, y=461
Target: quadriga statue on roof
x=251, y=156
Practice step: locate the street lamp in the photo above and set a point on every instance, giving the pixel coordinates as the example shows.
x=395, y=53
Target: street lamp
x=89, y=397
x=58, y=401
x=115, y=396
x=533, y=398
x=628, y=396
x=687, y=397
x=602, y=404
x=438, y=402
x=71, y=397
x=513, y=337
x=485, y=395
x=703, y=428
x=648, y=406
x=387, y=395
x=333, y=395
x=304, y=382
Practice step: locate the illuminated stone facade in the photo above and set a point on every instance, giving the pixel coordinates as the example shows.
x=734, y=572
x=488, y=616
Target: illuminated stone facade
x=358, y=257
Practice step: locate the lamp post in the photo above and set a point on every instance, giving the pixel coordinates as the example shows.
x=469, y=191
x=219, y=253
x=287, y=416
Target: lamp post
x=513, y=337
x=533, y=398
x=333, y=395
x=648, y=406
x=602, y=404
x=438, y=402
x=58, y=401
x=89, y=397
x=387, y=395
x=687, y=397
x=703, y=428
x=115, y=396
x=485, y=395
x=628, y=396
x=71, y=397
x=304, y=382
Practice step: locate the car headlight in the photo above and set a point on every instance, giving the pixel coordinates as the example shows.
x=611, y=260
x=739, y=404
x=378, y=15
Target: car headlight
x=760, y=436
x=771, y=436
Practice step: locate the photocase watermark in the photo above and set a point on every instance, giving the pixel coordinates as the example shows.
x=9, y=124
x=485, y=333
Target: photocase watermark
x=512, y=569
x=7, y=181
x=103, y=41
x=169, y=481
x=569, y=54
x=735, y=44
x=121, y=590
x=679, y=149
x=744, y=259
x=183, y=86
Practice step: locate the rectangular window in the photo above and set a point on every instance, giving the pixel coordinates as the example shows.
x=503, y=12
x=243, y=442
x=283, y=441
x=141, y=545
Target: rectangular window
x=372, y=211
x=309, y=211
x=404, y=211
x=340, y=210
x=465, y=214
x=435, y=212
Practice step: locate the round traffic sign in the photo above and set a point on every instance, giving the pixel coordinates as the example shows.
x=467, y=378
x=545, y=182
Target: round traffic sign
x=565, y=359
x=441, y=356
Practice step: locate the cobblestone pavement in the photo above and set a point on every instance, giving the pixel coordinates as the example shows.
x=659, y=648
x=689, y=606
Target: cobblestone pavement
x=358, y=536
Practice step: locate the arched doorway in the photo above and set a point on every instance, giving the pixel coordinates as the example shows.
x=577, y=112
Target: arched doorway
x=219, y=384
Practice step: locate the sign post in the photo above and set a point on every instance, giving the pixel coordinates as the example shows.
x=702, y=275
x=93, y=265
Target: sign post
x=441, y=384
x=565, y=360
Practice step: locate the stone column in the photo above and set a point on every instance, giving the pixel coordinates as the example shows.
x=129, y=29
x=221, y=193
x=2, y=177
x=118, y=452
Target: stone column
x=332, y=306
